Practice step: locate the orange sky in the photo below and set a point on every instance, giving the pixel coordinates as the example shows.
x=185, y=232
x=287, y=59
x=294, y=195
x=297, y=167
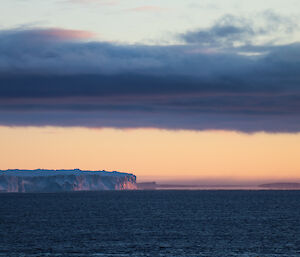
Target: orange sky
x=154, y=154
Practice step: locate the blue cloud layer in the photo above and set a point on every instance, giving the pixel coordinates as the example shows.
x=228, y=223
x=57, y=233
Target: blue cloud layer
x=50, y=80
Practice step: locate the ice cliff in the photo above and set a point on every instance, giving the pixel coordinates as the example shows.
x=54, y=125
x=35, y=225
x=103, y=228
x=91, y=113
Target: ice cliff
x=25, y=181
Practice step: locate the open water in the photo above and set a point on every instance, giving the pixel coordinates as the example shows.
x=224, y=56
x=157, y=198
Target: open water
x=151, y=223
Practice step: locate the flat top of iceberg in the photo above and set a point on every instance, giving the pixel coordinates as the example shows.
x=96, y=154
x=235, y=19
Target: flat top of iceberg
x=44, y=172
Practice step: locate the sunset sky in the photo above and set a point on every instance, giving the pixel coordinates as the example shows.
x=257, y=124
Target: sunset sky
x=168, y=90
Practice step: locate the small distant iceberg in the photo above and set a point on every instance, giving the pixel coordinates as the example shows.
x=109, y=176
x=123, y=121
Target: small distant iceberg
x=40, y=180
x=281, y=185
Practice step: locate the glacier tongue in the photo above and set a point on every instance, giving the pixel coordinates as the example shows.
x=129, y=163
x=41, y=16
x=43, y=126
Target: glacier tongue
x=25, y=181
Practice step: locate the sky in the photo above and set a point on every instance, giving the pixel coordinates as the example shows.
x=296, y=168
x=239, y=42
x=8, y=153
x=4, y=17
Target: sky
x=167, y=90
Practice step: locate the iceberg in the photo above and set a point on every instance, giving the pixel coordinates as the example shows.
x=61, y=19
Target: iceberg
x=40, y=180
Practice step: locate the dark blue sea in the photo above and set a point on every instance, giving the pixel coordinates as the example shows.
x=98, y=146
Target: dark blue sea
x=151, y=223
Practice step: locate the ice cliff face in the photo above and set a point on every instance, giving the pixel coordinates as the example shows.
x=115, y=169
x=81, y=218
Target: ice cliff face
x=25, y=181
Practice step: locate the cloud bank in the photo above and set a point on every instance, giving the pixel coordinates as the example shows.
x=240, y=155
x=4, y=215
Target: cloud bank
x=62, y=78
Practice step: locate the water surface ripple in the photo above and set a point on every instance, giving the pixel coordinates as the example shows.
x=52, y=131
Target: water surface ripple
x=151, y=223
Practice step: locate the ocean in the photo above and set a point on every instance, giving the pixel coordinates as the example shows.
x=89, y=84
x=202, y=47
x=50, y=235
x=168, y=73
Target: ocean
x=151, y=223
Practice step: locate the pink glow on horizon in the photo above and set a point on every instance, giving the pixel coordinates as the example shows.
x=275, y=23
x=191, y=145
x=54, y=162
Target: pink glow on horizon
x=65, y=34
x=210, y=157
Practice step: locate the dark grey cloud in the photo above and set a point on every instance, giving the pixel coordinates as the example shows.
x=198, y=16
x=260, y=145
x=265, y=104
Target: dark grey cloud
x=230, y=30
x=57, y=77
x=226, y=31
